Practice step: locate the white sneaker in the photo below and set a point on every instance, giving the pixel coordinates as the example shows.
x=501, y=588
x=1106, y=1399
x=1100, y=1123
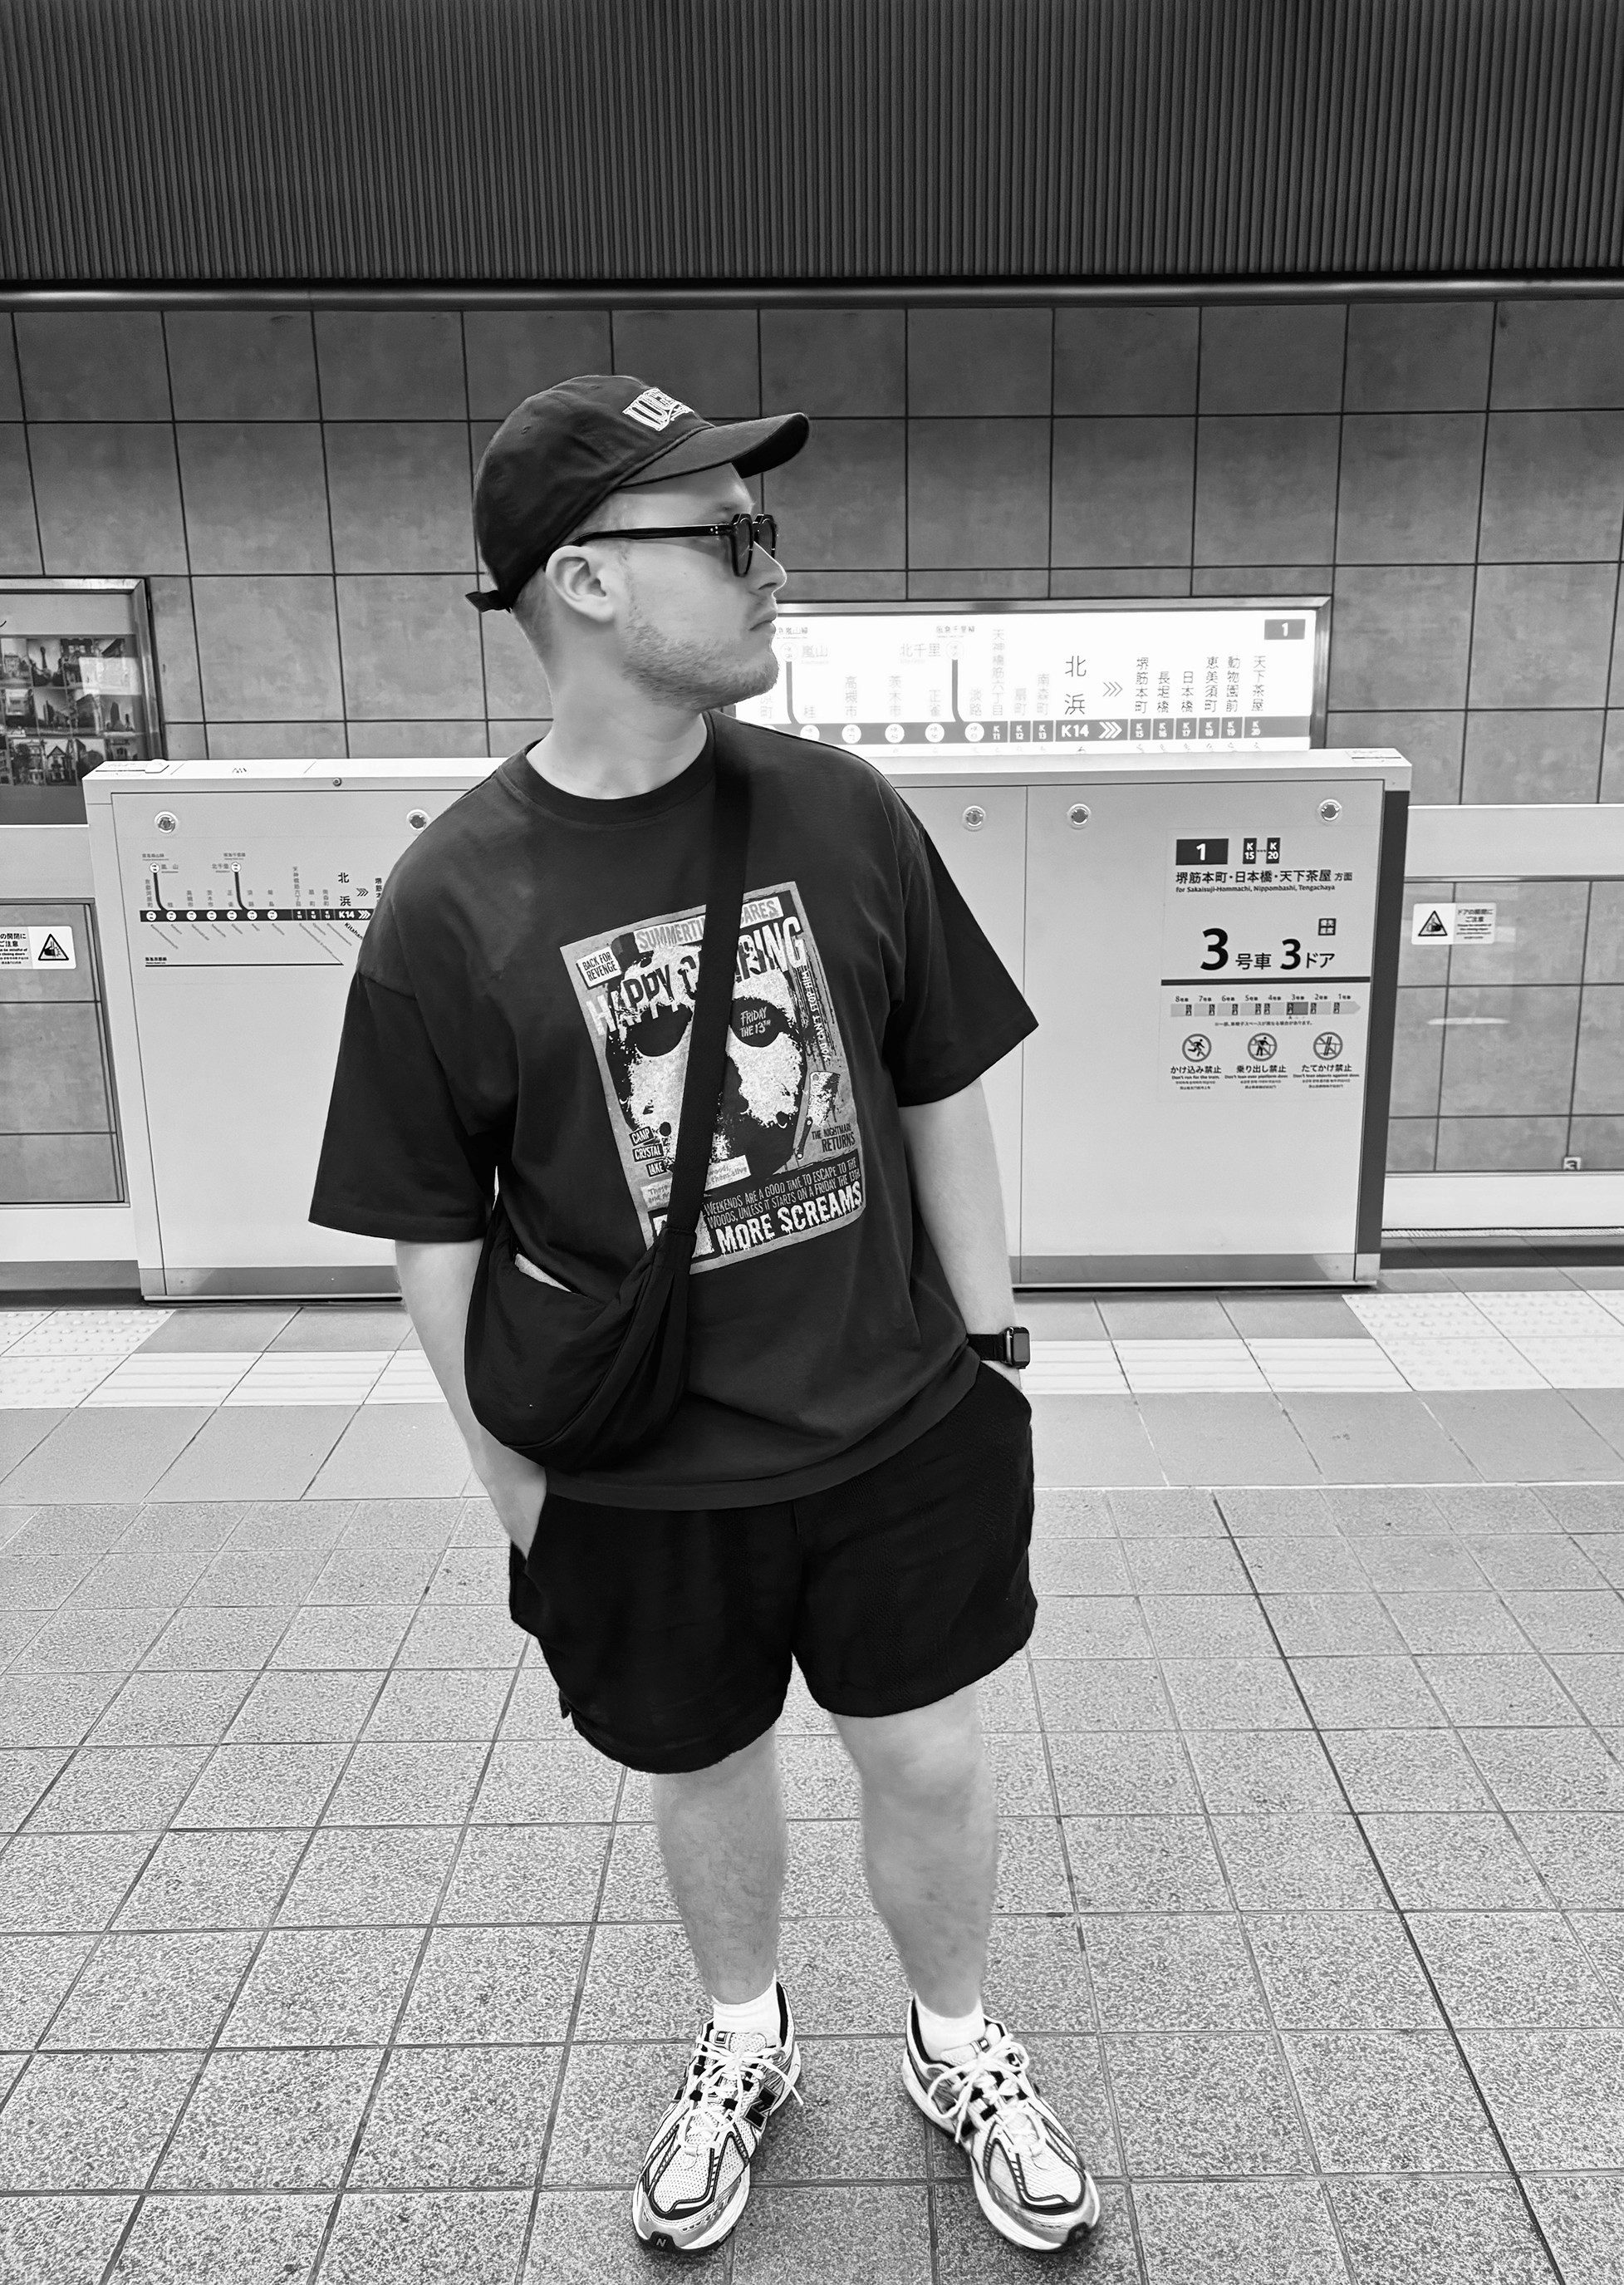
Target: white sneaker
x=1029, y=2181
x=696, y=2177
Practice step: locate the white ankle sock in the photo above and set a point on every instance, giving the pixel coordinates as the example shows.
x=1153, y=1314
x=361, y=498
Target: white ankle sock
x=757, y=2016
x=941, y=2034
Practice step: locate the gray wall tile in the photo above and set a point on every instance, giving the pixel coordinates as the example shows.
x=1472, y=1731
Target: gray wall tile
x=843, y=499
x=1418, y=357
x=513, y=353
x=10, y=386
x=1553, y=487
x=1514, y=1051
x=1496, y=1146
x=1272, y=358
x=255, y=496
x=1604, y=954
x=1124, y=491
x=516, y=681
x=505, y=738
x=1143, y=580
x=1533, y=755
x=1412, y=1145
x=1598, y=1141
x=381, y=740
x=19, y=544
x=1418, y=1052
x=102, y=364
x=1613, y=754
x=1559, y=352
x=1539, y=934
x=1541, y=634
x=52, y=1078
x=707, y=358
x=1400, y=636
x=1126, y=359
x=185, y=741
x=970, y=361
x=833, y=362
x=1276, y=579
x=243, y=364
x=175, y=647
x=268, y=649
x=57, y=1170
x=1408, y=489
x=1265, y=490
x=411, y=648
x=109, y=500
x=1431, y=744
x=843, y=588
x=390, y=365
x=402, y=496
x=977, y=585
x=1598, y=1079
x=273, y=742
x=989, y=478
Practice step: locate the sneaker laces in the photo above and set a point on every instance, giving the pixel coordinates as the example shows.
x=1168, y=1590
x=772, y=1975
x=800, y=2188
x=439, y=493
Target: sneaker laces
x=720, y=2082
x=997, y=2090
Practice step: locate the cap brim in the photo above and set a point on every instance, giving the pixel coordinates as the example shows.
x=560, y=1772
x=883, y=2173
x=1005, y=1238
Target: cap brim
x=748, y=446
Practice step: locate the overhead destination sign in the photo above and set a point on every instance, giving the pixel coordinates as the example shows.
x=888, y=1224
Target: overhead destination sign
x=1243, y=678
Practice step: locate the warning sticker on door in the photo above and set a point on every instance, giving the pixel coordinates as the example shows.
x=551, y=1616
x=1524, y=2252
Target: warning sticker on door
x=36, y=947
x=1263, y=1043
x=1452, y=923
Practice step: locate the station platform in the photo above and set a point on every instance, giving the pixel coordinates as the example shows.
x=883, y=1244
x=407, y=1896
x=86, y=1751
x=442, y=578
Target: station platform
x=327, y=1951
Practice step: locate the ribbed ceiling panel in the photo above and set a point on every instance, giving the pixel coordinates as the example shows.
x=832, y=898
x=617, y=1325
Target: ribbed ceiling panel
x=559, y=142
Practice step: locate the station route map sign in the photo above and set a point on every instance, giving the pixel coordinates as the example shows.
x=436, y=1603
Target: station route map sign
x=1266, y=981
x=1224, y=674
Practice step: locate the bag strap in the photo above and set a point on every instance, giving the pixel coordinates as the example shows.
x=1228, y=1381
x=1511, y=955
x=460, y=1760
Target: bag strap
x=718, y=954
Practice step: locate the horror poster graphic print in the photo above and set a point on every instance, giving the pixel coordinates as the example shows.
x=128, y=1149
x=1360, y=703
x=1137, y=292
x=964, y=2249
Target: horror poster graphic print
x=787, y=1157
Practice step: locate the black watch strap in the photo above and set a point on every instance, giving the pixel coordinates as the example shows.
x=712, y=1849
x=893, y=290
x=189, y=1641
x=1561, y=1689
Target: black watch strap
x=1012, y=1347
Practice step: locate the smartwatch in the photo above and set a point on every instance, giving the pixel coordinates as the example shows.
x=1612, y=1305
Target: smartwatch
x=1012, y=1347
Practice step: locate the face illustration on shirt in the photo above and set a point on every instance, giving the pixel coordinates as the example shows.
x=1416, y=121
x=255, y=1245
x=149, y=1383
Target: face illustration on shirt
x=761, y=1088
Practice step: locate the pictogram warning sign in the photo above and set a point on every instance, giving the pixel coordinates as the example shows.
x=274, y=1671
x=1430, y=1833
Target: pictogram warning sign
x=1452, y=923
x=37, y=947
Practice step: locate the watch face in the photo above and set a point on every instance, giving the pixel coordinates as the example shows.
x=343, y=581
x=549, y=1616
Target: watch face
x=1020, y=1347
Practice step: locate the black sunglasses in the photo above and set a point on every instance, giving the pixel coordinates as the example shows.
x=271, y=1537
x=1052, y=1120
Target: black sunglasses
x=744, y=534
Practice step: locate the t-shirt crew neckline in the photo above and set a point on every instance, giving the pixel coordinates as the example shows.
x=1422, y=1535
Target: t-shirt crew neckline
x=524, y=779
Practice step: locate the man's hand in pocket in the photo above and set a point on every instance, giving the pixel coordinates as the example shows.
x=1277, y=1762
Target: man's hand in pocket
x=517, y=1488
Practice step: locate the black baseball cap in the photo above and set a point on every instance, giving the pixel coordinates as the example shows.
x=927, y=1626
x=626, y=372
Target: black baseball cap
x=560, y=454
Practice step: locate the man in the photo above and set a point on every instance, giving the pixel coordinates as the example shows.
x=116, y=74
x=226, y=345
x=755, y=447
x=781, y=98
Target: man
x=845, y=1482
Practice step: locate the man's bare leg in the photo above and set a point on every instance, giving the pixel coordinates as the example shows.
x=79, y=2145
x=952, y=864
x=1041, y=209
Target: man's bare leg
x=929, y=1841
x=722, y=1839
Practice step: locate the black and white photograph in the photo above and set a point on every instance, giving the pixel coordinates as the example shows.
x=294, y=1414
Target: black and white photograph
x=812, y=1143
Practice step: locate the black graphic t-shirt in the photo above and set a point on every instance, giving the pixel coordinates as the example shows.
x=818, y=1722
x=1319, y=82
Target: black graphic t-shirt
x=519, y=1015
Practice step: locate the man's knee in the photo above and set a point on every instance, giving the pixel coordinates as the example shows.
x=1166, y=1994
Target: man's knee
x=931, y=1758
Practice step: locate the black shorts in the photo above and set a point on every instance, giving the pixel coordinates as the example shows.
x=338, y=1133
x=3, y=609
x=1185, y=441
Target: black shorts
x=670, y=1632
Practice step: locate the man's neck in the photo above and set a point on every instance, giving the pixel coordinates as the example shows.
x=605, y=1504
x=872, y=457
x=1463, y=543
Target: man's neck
x=609, y=755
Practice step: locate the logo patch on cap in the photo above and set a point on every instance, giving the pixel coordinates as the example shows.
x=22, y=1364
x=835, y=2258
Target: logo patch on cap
x=655, y=410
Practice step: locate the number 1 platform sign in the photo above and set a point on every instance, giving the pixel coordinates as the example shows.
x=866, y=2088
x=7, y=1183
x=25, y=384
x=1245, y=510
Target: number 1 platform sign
x=1266, y=962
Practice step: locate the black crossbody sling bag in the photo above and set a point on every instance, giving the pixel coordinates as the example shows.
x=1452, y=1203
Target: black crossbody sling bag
x=574, y=1382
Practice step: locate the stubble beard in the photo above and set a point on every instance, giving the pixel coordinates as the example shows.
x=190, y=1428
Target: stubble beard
x=689, y=674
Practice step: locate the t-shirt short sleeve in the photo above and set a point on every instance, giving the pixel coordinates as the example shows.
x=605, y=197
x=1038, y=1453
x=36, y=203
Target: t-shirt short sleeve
x=958, y=1010
x=399, y=1161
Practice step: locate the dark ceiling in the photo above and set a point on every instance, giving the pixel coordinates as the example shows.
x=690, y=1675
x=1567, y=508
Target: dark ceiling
x=527, y=143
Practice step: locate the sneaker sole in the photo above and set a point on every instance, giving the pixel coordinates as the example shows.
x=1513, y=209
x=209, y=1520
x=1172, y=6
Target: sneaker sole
x=1028, y=2238
x=660, y=2239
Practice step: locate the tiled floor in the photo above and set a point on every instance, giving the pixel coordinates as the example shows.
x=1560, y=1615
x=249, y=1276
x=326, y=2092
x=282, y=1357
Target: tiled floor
x=326, y=1951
